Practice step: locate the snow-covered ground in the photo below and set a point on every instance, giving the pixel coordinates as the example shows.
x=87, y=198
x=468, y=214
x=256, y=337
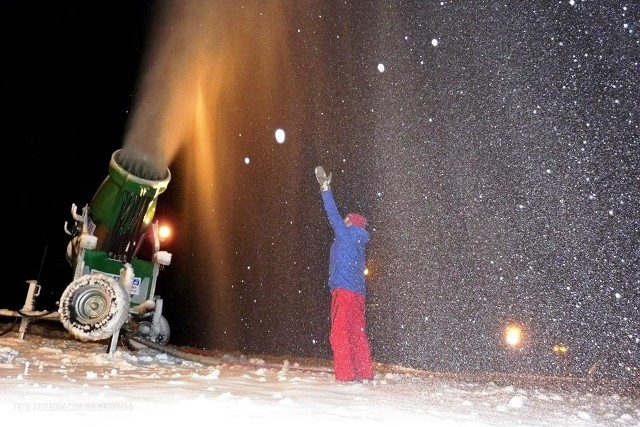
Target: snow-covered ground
x=49, y=376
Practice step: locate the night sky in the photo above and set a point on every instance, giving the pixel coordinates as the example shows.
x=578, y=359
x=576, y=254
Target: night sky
x=495, y=150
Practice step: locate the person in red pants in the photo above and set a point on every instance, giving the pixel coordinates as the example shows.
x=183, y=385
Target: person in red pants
x=347, y=258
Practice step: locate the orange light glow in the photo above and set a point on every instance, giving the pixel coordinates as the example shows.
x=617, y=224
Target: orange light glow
x=164, y=232
x=513, y=335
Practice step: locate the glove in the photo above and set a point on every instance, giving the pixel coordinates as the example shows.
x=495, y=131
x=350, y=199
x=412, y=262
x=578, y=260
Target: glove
x=322, y=178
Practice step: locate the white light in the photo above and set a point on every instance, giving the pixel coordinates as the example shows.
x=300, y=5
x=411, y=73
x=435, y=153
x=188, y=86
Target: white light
x=434, y=42
x=381, y=68
x=246, y=160
x=280, y=136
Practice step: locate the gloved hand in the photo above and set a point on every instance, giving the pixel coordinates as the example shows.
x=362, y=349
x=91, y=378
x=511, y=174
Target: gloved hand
x=322, y=178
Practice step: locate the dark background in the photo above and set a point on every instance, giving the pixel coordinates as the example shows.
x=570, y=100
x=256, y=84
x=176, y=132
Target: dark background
x=498, y=169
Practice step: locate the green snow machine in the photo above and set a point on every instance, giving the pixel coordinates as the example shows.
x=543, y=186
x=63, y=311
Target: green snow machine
x=116, y=257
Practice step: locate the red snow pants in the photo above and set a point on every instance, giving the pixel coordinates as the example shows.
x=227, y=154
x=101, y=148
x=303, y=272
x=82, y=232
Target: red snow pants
x=348, y=338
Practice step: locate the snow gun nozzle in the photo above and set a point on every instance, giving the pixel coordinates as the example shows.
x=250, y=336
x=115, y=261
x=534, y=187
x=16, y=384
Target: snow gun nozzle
x=124, y=205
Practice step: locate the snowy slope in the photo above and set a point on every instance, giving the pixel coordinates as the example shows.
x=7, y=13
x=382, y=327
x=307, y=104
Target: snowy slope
x=48, y=376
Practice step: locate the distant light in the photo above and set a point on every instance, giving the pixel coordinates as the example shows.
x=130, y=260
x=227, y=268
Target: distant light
x=381, y=67
x=280, y=136
x=434, y=42
x=246, y=160
x=513, y=335
x=366, y=271
x=560, y=349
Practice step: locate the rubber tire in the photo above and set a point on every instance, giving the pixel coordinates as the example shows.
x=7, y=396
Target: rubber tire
x=94, y=307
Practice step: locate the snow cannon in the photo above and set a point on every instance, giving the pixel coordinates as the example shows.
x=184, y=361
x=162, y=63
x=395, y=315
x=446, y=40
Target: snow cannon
x=116, y=257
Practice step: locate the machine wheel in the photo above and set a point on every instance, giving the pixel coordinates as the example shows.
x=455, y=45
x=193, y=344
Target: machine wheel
x=165, y=331
x=94, y=307
x=145, y=330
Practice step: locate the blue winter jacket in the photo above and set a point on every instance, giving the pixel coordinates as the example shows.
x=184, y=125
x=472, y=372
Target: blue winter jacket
x=347, y=257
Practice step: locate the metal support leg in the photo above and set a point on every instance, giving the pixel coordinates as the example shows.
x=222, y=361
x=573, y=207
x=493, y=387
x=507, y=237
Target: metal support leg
x=34, y=291
x=114, y=342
